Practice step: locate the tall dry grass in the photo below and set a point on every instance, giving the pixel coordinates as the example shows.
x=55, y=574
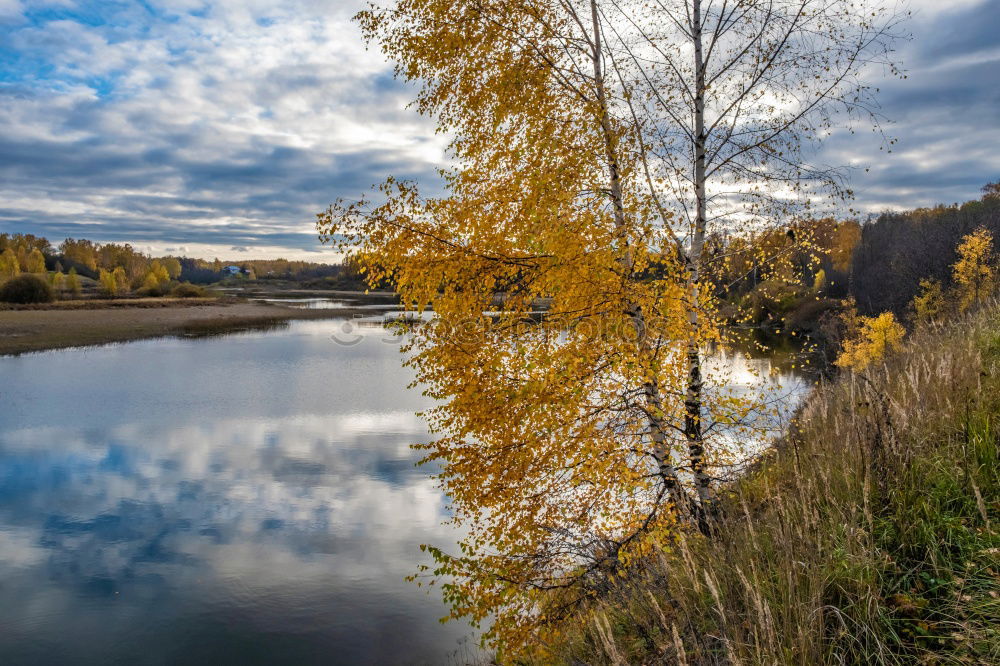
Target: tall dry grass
x=868, y=536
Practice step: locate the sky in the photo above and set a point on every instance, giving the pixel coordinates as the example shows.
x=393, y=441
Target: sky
x=219, y=128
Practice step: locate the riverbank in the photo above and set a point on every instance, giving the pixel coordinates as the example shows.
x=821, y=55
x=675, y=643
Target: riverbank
x=870, y=535
x=84, y=323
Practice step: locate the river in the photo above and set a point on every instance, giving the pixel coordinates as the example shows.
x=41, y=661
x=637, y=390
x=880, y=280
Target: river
x=245, y=499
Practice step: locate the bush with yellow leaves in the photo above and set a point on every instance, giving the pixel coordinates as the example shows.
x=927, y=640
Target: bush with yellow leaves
x=876, y=337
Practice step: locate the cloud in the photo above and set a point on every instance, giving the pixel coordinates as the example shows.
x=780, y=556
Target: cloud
x=231, y=123
x=945, y=114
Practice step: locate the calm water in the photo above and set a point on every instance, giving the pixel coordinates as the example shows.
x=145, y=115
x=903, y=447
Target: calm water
x=243, y=499
x=233, y=500
x=327, y=304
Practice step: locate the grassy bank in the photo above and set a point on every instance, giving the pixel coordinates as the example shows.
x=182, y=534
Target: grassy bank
x=82, y=323
x=870, y=536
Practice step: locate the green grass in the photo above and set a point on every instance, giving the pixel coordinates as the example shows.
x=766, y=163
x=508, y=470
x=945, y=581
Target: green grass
x=869, y=536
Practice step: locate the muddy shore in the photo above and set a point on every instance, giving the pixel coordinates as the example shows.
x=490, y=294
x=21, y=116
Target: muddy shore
x=85, y=323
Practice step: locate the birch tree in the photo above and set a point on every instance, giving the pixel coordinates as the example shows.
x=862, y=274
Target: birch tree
x=597, y=146
x=974, y=274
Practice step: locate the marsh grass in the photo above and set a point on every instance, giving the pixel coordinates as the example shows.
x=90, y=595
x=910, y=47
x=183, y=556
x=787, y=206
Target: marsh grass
x=869, y=535
x=227, y=325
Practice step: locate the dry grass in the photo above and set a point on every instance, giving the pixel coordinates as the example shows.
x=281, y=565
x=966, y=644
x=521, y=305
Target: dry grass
x=870, y=536
x=118, y=303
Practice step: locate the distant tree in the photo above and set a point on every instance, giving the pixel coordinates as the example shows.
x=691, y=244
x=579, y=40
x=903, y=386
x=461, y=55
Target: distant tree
x=159, y=271
x=35, y=262
x=899, y=250
x=151, y=283
x=819, y=281
x=9, y=266
x=83, y=252
x=73, y=282
x=124, y=256
x=173, y=266
x=28, y=288
x=108, y=284
x=58, y=281
x=122, y=282
x=974, y=272
x=845, y=239
x=877, y=337
x=929, y=304
x=991, y=191
x=114, y=283
x=27, y=241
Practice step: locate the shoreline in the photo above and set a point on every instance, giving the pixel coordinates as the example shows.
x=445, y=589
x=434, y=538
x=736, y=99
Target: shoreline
x=73, y=324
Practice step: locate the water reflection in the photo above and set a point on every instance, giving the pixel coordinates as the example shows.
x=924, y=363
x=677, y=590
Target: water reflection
x=241, y=499
x=248, y=499
x=308, y=303
x=361, y=303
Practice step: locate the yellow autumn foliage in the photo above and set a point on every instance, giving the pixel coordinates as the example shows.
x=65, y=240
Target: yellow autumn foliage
x=568, y=263
x=929, y=304
x=877, y=336
x=9, y=265
x=974, y=273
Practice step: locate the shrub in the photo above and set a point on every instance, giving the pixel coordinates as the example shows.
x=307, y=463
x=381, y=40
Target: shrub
x=188, y=290
x=153, y=286
x=876, y=337
x=73, y=282
x=27, y=288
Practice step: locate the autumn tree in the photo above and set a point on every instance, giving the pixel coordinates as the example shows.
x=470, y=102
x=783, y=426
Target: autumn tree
x=9, y=266
x=157, y=276
x=929, y=304
x=597, y=147
x=150, y=283
x=83, y=252
x=115, y=282
x=173, y=267
x=900, y=249
x=877, y=336
x=108, y=283
x=991, y=191
x=974, y=272
x=73, y=282
x=35, y=262
x=121, y=280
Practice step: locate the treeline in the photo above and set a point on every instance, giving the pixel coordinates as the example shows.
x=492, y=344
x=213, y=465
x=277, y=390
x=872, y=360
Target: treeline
x=202, y=271
x=899, y=250
x=197, y=271
x=33, y=271
x=798, y=277
x=117, y=269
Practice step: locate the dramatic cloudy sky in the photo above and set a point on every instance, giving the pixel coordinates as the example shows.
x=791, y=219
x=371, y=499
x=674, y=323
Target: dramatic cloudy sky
x=219, y=127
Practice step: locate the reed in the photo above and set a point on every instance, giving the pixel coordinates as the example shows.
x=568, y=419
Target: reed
x=869, y=535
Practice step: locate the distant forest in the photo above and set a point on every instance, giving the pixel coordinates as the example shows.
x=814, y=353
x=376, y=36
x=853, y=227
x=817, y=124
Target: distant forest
x=786, y=278
x=899, y=249
x=790, y=278
x=24, y=252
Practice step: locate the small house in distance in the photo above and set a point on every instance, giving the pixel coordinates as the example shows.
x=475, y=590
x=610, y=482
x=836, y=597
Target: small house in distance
x=232, y=270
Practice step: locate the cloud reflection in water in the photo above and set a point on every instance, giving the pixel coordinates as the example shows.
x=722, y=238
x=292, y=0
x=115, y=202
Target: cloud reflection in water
x=244, y=499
